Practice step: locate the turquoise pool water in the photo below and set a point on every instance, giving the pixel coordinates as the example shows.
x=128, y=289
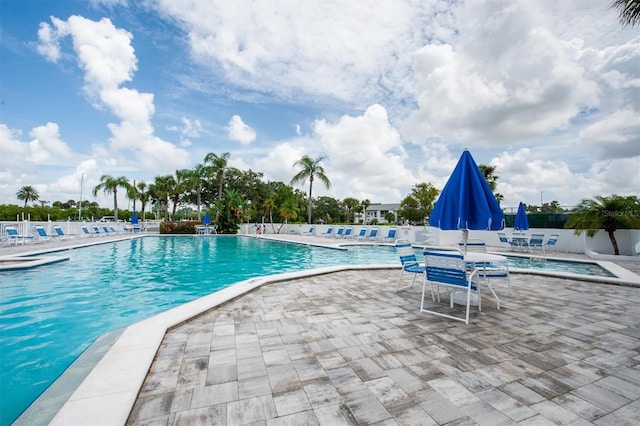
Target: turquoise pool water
x=555, y=265
x=50, y=314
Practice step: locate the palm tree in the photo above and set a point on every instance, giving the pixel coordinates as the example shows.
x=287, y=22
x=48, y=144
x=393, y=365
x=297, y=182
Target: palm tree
x=269, y=205
x=143, y=196
x=196, y=177
x=218, y=164
x=629, y=11
x=160, y=190
x=182, y=184
x=350, y=203
x=310, y=170
x=605, y=213
x=132, y=194
x=27, y=193
x=109, y=185
x=365, y=205
x=288, y=211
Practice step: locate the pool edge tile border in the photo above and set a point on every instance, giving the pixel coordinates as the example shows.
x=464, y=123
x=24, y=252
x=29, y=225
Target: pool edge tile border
x=108, y=393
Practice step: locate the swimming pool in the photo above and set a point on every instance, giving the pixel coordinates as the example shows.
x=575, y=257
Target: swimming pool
x=50, y=314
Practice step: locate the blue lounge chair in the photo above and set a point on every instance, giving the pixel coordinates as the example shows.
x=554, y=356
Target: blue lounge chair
x=409, y=263
x=448, y=269
x=552, y=243
x=328, y=233
x=347, y=232
x=42, y=233
x=86, y=232
x=536, y=241
x=60, y=233
x=340, y=232
x=373, y=234
x=363, y=233
x=504, y=241
x=15, y=236
x=391, y=235
x=311, y=231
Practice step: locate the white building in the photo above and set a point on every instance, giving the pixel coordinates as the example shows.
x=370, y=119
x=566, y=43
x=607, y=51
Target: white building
x=378, y=211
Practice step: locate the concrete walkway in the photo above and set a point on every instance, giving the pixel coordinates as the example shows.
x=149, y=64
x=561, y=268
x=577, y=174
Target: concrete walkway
x=344, y=348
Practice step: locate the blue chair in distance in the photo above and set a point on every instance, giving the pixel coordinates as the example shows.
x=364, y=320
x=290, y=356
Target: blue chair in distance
x=15, y=236
x=42, y=233
x=552, y=243
x=328, y=233
x=373, y=234
x=391, y=235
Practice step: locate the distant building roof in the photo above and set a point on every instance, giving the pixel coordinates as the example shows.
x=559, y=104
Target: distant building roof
x=380, y=206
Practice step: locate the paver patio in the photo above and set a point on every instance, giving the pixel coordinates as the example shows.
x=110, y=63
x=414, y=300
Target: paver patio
x=343, y=348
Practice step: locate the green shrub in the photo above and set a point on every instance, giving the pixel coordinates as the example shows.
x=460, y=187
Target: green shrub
x=185, y=227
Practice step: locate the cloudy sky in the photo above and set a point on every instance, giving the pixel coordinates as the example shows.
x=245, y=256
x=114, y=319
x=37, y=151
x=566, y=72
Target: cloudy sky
x=390, y=91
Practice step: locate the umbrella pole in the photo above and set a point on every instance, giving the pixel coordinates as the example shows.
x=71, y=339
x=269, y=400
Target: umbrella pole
x=465, y=237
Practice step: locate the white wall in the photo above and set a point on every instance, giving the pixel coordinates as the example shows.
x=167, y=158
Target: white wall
x=568, y=242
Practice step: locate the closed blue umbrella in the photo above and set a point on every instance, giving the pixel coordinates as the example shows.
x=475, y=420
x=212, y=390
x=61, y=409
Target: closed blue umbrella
x=134, y=218
x=207, y=219
x=521, y=222
x=467, y=202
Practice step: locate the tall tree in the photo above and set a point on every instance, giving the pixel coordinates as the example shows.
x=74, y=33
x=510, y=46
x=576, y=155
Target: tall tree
x=269, y=205
x=196, y=177
x=288, y=211
x=109, y=185
x=311, y=169
x=218, y=165
x=27, y=193
x=628, y=10
x=489, y=173
x=426, y=194
x=364, y=205
x=182, y=185
x=160, y=190
x=143, y=196
x=350, y=204
x=605, y=213
x=132, y=194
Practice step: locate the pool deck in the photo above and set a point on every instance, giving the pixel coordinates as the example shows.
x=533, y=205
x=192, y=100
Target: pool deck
x=341, y=347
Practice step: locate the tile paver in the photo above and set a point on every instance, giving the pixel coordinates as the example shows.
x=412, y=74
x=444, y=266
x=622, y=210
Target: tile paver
x=344, y=348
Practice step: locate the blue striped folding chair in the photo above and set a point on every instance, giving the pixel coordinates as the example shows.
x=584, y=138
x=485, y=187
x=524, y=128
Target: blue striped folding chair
x=449, y=269
x=409, y=263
